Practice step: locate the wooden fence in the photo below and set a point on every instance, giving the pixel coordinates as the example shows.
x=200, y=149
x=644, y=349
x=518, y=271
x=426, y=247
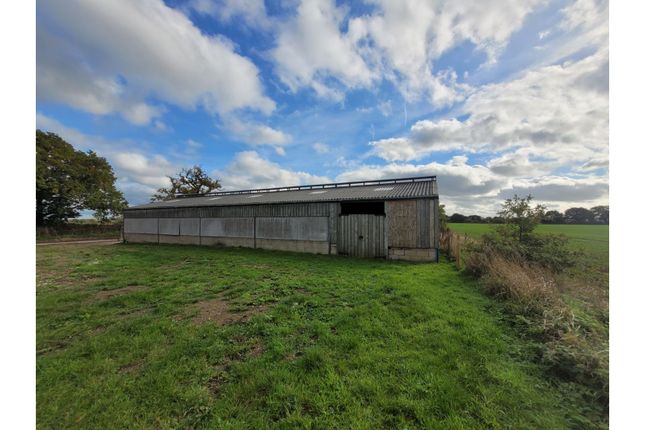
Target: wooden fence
x=451, y=244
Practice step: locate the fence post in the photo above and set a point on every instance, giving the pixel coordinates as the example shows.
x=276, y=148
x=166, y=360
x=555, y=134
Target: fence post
x=458, y=253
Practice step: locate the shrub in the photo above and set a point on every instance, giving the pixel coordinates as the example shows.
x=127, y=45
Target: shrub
x=551, y=252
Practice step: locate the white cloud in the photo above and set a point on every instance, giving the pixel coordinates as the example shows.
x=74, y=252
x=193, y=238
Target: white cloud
x=253, y=12
x=559, y=113
x=248, y=170
x=455, y=178
x=385, y=108
x=323, y=49
x=477, y=189
x=321, y=148
x=255, y=134
x=109, y=56
x=310, y=50
x=562, y=191
x=520, y=164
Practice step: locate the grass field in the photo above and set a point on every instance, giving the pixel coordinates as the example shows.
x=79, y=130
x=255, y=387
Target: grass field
x=136, y=336
x=592, y=238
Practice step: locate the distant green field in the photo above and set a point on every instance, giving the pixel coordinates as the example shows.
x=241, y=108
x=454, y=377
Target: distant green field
x=593, y=238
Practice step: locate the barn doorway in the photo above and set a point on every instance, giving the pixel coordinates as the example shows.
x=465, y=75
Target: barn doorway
x=361, y=229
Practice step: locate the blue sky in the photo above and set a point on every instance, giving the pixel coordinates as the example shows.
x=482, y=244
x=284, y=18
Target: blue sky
x=494, y=97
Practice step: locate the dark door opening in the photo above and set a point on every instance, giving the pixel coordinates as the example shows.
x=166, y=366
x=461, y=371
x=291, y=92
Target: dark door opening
x=362, y=208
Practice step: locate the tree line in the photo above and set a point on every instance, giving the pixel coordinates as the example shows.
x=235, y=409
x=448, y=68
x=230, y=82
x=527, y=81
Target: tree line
x=577, y=215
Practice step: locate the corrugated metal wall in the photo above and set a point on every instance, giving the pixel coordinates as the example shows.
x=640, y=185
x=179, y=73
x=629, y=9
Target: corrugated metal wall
x=227, y=227
x=277, y=210
x=292, y=228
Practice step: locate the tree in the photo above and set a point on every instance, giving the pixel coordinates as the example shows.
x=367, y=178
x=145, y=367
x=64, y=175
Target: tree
x=458, y=218
x=600, y=214
x=69, y=181
x=443, y=218
x=475, y=219
x=553, y=217
x=188, y=181
x=520, y=219
x=578, y=216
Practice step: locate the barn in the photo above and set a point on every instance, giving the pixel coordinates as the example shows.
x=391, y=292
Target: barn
x=395, y=218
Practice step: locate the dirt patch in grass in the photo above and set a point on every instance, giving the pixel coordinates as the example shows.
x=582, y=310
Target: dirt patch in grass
x=108, y=294
x=129, y=368
x=221, y=371
x=219, y=311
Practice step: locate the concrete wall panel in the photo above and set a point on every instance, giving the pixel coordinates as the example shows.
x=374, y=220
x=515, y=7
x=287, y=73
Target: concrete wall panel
x=140, y=225
x=227, y=227
x=140, y=238
x=293, y=228
x=310, y=246
x=244, y=242
x=179, y=240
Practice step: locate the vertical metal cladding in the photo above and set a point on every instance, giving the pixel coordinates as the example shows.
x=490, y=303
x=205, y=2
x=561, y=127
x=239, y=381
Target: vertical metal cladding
x=227, y=227
x=142, y=226
x=292, y=228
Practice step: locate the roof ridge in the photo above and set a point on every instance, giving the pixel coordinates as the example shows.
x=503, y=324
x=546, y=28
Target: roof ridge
x=313, y=187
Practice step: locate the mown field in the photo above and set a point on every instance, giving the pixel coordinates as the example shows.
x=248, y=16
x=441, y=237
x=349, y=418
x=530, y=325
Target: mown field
x=148, y=336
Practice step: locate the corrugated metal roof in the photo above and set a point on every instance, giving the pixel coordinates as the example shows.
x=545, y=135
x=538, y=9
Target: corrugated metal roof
x=391, y=189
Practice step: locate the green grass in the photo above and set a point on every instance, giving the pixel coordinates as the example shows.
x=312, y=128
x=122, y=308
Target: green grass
x=585, y=290
x=341, y=343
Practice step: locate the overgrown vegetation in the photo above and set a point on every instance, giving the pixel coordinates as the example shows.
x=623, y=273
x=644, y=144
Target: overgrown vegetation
x=124, y=341
x=534, y=275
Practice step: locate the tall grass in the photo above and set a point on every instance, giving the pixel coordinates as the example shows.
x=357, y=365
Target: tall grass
x=570, y=342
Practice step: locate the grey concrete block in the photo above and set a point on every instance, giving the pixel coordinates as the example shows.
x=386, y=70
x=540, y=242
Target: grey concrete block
x=310, y=246
x=140, y=238
x=179, y=240
x=228, y=241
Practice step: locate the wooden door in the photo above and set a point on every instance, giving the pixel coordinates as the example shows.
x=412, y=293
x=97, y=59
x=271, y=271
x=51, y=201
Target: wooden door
x=362, y=235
